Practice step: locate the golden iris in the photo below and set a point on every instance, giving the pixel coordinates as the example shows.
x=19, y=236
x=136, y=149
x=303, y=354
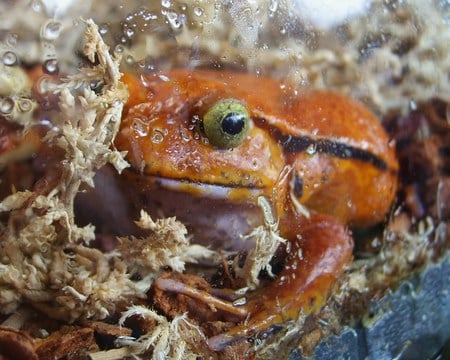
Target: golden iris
x=226, y=123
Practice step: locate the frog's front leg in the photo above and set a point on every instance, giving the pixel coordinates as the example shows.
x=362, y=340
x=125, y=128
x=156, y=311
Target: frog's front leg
x=319, y=249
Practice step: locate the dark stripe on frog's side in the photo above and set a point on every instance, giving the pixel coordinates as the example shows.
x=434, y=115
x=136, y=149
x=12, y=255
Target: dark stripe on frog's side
x=294, y=144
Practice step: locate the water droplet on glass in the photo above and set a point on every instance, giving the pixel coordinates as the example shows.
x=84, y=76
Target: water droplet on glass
x=142, y=64
x=256, y=164
x=164, y=78
x=282, y=30
x=273, y=6
x=9, y=58
x=36, y=5
x=149, y=16
x=50, y=66
x=198, y=11
x=11, y=39
x=103, y=28
x=129, y=60
x=51, y=30
x=129, y=32
x=140, y=125
x=183, y=7
x=166, y=3
x=118, y=49
x=240, y=302
x=96, y=84
x=375, y=243
x=413, y=105
x=6, y=105
x=185, y=135
x=173, y=19
x=311, y=149
x=43, y=84
x=157, y=136
x=25, y=105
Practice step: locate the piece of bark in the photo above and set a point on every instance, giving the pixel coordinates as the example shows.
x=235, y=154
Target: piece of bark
x=70, y=343
x=16, y=344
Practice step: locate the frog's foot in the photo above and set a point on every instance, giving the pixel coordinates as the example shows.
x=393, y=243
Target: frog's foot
x=319, y=249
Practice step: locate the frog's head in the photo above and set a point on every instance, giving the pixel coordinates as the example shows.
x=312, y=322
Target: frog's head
x=193, y=133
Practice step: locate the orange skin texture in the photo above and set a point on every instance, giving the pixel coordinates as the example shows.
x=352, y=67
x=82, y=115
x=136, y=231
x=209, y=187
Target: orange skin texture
x=337, y=191
x=353, y=192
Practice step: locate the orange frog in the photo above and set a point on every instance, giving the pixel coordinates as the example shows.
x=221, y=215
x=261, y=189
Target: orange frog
x=221, y=140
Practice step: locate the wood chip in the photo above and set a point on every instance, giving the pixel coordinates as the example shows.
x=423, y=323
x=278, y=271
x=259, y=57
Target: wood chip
x=113, y=354
x=70, y=342
x=16, y=344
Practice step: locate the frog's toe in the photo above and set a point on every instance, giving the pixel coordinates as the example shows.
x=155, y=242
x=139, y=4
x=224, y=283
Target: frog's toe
x=319, y=249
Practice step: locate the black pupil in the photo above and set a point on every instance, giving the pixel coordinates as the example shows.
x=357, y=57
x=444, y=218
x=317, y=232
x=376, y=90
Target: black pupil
x=233, y=123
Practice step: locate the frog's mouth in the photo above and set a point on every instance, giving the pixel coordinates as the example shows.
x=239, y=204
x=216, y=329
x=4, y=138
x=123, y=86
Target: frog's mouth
x=216, y=215
x=235, y=193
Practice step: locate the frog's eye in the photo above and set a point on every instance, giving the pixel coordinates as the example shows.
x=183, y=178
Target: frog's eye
x=226, y=123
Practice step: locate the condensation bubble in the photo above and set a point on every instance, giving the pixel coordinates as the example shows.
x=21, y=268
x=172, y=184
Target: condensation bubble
x=140, y=126
x=256, y=164
x=9, y=58
x=141, y=64
x=51, y=30
x=413, y=105
x=147, y=16
x=6, y=105
x=166, y=3
x=25, y=105
x=50, y=66
x=11, y=39
x=240, y=302
x=36, y=5
x=118, y=49
x=157, y=136
x=182, y=18
x=173, y=19
x=103, y=28
x=311, y=149
x=129, y=32
x=43, y=84
x=183, y=7
x=130, y=60
x=273, y=6
x=185, y=135
x=95, y=84
x=198, y=11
